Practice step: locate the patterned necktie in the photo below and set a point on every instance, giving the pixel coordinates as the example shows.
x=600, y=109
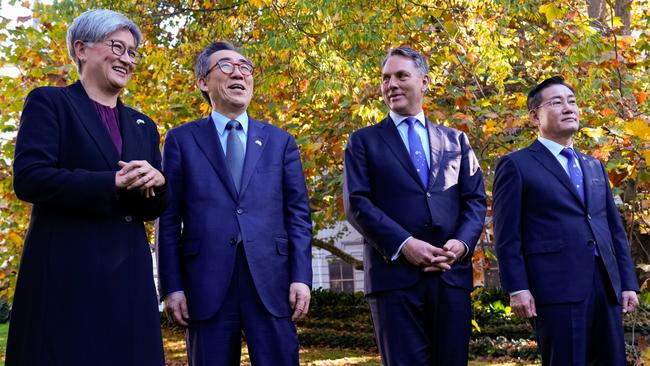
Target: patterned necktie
x=574, y=171
x=417, y=152
x=576, y=177
x=234, y=152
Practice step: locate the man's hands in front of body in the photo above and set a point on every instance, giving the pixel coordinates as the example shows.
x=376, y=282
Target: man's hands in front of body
x=176, y=307
x=523, y=304
x=299, y=296
x=140, y=175
x=427, y=256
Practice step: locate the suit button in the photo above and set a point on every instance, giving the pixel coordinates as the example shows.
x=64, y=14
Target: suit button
x=428, y=195
x=128, y=218
x=239, y=211
x=233, y=241
x=588, y=217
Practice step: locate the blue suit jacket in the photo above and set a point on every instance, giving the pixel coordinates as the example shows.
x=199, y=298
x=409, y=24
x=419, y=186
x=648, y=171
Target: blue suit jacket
x=386, y=201
x=198, y=232
x=545, y=235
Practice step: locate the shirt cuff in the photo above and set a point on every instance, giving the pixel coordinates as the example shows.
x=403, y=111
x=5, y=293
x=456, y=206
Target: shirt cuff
x=399, y=250
x=173, y=292
x=517, y=292
x=466, y=250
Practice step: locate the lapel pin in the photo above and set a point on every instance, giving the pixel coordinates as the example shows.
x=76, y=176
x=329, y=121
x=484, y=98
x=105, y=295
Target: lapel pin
x=139, y=121
x=258, y=142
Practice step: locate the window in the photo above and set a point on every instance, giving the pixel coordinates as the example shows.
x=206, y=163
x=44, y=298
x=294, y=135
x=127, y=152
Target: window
x=341, y=276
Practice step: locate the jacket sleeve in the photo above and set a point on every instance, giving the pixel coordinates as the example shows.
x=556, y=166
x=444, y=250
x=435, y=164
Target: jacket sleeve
x=168, y=248
x=147, y=208
x=473, y=206
x=619, y=241
x=379, y=230
x=297, y=215
x=506, y=209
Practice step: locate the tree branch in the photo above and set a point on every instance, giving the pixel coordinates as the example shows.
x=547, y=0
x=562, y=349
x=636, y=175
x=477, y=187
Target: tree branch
x=357, y=264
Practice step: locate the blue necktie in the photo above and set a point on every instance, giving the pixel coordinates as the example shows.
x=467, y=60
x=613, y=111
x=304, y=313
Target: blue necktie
x=575, y=174
x=234, y=152
x=417, y=152
x=574, y=171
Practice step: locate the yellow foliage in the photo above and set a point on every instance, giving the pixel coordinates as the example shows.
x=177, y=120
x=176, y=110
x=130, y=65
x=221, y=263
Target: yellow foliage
x=489, y=127
x=639, y=128
x=551, y=11
x=521, y=100
x=475, y=325
x=594, y=133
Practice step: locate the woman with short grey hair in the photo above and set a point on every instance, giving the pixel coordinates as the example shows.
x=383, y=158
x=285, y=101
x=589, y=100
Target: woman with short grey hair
x=91, y=168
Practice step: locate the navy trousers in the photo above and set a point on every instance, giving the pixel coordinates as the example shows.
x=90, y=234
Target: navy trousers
x=589, y=332
x=424, y=325
x=271, y=341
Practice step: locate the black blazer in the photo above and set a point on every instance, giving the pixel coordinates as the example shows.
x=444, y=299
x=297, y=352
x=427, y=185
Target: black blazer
x=85, y=293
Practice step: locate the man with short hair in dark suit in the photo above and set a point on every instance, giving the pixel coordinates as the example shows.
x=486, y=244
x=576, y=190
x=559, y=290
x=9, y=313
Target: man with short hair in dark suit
x=563, y=255
x=414, y=190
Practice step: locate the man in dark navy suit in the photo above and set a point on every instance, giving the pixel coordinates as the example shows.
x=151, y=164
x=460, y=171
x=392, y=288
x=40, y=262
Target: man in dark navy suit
x=234, y=246
x=562, y=251
x=414, y=190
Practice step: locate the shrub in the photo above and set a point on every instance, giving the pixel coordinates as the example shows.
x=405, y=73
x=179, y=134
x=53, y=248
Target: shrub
x=5, y=311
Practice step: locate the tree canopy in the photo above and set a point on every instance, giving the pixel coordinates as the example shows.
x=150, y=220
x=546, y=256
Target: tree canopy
x=317, y=74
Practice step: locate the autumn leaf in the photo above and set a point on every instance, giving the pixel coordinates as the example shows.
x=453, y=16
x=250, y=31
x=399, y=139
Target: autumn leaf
x=607, y=112
x=638, y=128
x=551, y=11
x=304, y=84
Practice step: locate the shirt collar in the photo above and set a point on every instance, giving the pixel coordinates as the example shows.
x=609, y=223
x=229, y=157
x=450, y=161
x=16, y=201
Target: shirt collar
x=552, y=146
x=220, y=121
x=397, y=118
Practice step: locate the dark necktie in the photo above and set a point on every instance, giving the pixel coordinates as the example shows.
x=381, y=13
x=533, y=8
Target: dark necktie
x=234, y=152
x=576, y=176
x=417, y=152
x=574, y=171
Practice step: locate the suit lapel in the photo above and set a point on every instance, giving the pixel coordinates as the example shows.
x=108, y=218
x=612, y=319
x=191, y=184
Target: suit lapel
x=207, y=138
x=548, y=161
x=436, y=149
x=255, y=144
x=390, y=135
x=131, y=132
x=86, y=113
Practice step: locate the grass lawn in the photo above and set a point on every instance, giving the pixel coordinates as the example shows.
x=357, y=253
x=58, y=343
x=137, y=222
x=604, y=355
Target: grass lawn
x=175, y=355
x=4, y=328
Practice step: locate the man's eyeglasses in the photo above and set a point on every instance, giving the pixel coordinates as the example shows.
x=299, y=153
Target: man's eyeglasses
x=120, y=48
x=556, y=103
x=228, y=67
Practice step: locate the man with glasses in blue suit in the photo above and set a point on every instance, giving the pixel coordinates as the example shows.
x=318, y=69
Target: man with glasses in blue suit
x=234, y=246
x=563, y=255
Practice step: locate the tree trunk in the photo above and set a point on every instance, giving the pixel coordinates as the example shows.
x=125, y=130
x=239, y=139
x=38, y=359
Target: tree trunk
x=622, y=10
x=594, y=8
